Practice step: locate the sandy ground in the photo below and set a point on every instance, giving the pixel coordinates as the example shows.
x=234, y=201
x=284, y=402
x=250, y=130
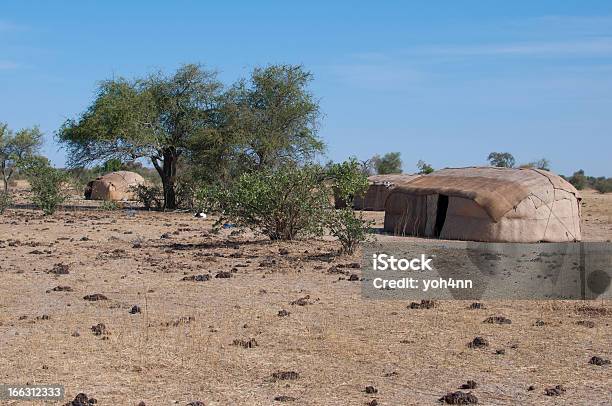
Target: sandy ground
x=180, y=347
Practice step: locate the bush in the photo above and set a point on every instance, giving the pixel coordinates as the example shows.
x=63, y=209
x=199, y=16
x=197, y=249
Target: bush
x=350, y=228
x=348, y=181
x=282, y=204
x=5, y=201
x=47, y=184
x=292, y=202
x=150, y=196
x=185, y=193
x=578, y=180
x=424, y=168
x=603, y=185
x=110, y=205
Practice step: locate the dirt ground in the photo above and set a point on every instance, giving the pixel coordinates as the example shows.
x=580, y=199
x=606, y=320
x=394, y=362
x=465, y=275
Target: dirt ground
x=222, y=341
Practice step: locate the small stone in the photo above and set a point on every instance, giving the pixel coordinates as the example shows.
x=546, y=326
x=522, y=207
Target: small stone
x=478, y=342
x=599, y=361
x=469, y=385
x=459, y=398
x=497, y=320
x=424, y=304
x=95, y=297
x=99, y=329
x=285, y=375
x=284, y=398
x=556, y=391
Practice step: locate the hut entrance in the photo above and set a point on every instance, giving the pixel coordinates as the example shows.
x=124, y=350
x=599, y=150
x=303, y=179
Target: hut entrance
x=440, y=214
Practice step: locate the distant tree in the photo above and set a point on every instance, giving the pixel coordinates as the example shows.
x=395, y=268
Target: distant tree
x=348, y=180
x=156, y=117
x=424, y=167
x=15, y=148
x=366, y=167
x=47, y=183
x=543, y=164
x=391, y=162
x=578, y=180
x=603, y=185
x=501, y=159
x=112, y=165
x=275, y=116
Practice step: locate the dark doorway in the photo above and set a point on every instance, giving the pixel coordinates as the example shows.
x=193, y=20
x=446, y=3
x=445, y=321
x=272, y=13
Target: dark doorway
x=440, y=214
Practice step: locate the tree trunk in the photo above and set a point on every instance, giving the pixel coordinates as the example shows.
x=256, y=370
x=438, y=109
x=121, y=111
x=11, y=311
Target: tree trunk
x=4, y=176
x=167, y=173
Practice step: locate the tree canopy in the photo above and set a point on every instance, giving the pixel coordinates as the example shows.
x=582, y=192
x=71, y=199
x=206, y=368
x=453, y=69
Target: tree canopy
x=275, y=116
x=264, y=122
x=156, y=118
x=501, y=159
x=424, y=167
x=15, y=147
x=391, y=162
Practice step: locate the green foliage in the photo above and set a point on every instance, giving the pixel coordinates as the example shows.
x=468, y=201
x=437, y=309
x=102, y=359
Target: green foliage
x=348, y=180
x=15, y=148
x=424, y=167
x=185, y=193
x=581, y=181
x=263, y=123
x=150, y=196
x=154, y=117
x=46, y=183
x=112, y=165
x=389, y=163
x=283, y=204
x=274, y=116
x=110, y=205
x=5, y=201
x=501, y=159
x=603, y=185
x=349, y=227
x=543, y=164
x=578, y=180
x=292, y=202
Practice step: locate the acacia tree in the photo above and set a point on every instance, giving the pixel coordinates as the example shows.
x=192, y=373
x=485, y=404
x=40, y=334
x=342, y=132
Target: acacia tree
x=501, y=159
x=156, y=117
x=15, y=148
x=391, y=162
x=274, y=116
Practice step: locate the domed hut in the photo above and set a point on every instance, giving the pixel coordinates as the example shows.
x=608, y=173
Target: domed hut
x=113, y=186
x=379, y=189
x=486, y=204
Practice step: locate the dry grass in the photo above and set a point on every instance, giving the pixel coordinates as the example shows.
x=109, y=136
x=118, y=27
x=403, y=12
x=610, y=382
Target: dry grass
x=181, y=348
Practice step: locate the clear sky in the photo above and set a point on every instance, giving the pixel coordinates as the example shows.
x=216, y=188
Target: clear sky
x=443, y=81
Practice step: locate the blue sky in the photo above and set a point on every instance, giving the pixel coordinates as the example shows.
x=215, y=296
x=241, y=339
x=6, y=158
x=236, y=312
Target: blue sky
x=446, y=82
